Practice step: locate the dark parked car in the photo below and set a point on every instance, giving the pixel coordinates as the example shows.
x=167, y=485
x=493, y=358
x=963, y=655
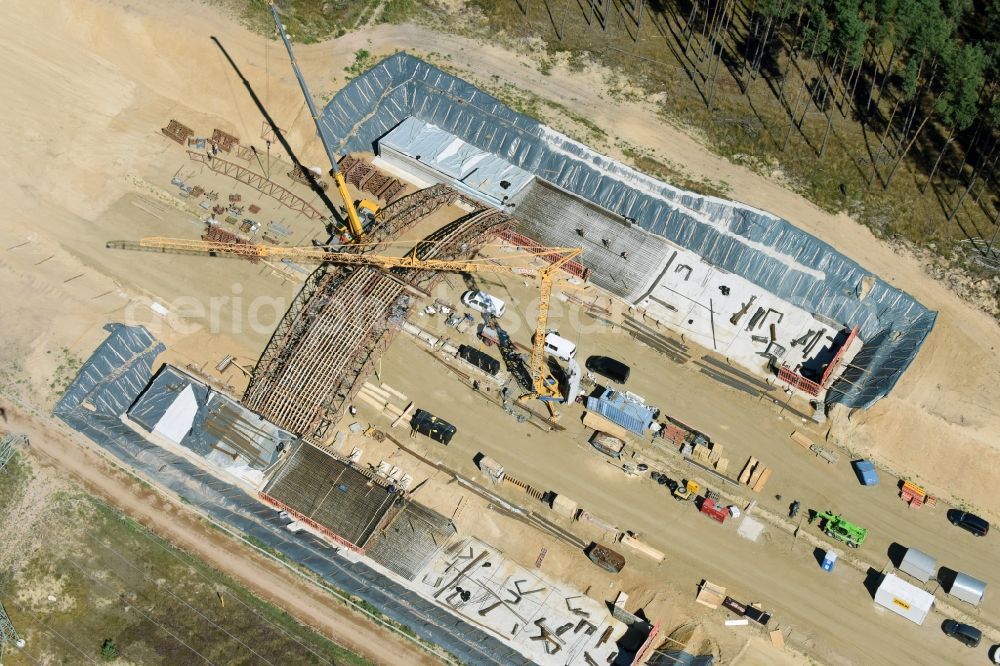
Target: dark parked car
x=964, y=633
x=437, y=429
x=614, y=370
x=969, y=521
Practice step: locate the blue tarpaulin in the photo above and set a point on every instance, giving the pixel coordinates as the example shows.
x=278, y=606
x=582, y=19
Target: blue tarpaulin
x=619, y=408
x=867, y=474
x=758, y=246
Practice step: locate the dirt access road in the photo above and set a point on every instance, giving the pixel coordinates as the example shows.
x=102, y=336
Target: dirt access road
x=82, y=131
x=832, y=616
x=67, y=453
x=937, y=425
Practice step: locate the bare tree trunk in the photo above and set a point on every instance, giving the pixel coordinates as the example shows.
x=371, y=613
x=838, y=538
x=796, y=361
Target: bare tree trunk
x=902, y=157
x=722, y=27
x=986, y=185
x=638, y=20
x=996, y=224
x=828, y=81
x=871, y=87
x=972, y=182
x=762, y=47
x=937, y=162
x=849, y=96
x=973, y=145
x=827, y=111
x=690, y=26
x=826, y=134
x=888, y=73
x=881, y=145
x=747, y=58
x=792, y=112
x=917, y=97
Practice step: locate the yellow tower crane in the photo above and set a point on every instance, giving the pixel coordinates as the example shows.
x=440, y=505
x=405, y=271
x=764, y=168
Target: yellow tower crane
x=544, y=386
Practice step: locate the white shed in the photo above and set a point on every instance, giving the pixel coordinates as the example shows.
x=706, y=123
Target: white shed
x=903, y=598
x=967, y=588
x=918, y=564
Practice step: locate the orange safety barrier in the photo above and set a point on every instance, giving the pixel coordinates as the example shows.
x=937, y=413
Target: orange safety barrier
x=797, y=381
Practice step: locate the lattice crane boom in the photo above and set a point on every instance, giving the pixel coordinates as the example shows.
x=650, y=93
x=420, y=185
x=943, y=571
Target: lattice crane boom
x=353, y=221
x=518, y=263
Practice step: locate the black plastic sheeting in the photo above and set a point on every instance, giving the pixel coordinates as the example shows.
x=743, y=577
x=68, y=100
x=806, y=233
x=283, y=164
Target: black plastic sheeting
x=111, y=380
x=762, y=248
x=218, y=423
x=678, y=658
x=480, y=359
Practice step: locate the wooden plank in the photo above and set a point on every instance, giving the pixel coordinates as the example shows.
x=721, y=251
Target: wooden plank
x=747, y=469
x=710, y=594
x=722, y=466
x=402, y=417
x=598, y=422
x=371, y=401
x=758, y=470
x=777, y=639
x=374, y=390
x=389, y=389
x=801, y=439
x=762, y=481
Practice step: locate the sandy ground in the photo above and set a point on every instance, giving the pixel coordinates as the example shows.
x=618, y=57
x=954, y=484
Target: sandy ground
x=946, y=395
x=830, y=616
x=85, y=112
x=57, y=449
x=89, y=84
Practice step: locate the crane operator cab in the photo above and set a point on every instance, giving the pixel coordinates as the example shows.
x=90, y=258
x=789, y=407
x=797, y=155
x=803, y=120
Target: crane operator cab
x=368, y=211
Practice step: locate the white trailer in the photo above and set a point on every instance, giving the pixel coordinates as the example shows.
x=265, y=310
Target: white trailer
x=904, y=599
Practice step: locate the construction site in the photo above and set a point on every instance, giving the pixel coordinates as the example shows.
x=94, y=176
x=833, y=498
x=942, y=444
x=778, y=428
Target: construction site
x=367, y=335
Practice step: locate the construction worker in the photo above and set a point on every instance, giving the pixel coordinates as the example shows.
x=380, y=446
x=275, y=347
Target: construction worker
x=624, y=254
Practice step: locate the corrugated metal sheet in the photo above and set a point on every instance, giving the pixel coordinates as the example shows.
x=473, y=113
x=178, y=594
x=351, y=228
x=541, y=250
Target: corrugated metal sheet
x=758, y=246
x=968, y=589
x=113, y=377
x=918, y=564
x=613, y=413
x=480, y=171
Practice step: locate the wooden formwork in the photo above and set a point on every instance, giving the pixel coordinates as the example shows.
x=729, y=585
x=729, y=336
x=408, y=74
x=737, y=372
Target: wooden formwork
x=328, y=342
x=323, y=357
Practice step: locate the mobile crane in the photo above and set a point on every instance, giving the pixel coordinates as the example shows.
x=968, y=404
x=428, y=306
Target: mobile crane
x=353, y=220
x=543, y=385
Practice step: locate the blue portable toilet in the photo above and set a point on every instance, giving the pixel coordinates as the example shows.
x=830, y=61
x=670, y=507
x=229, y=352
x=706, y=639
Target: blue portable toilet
x=867, y=474
x=829, y=560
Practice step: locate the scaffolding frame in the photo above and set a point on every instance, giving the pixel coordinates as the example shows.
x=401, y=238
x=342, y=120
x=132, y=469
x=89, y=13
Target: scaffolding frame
x=259, y=183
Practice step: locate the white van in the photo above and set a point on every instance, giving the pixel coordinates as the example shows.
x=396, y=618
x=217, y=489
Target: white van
x=559, y=346
x=483, y=302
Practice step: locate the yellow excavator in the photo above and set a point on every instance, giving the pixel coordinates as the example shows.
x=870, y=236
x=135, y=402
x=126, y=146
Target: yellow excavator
x=544, y=385
x=354, y=223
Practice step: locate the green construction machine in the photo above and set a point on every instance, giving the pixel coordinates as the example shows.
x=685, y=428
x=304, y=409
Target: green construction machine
x=836, y=527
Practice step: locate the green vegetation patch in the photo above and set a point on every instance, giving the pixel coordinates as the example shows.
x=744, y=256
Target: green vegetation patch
x=101, y=585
